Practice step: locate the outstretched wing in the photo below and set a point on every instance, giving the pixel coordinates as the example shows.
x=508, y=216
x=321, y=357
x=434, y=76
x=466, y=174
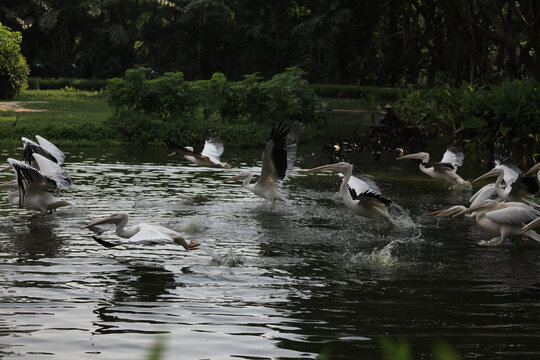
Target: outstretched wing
x=51, y=149
x=30, y=179
x=213, y=147
x=369, y=195
x=280, y=153
x=453, y=156
x=502, y=157
x=53, y=171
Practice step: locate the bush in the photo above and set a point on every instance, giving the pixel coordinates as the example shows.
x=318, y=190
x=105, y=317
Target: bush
x=184, y=109
x=13, y=68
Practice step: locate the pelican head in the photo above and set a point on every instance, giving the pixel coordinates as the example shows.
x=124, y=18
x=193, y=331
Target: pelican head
x=111, y=219
x=340, y=167
x=188, y=148
x=494, y=172
x=424, y=156
x=486, y=204
x=241, y=176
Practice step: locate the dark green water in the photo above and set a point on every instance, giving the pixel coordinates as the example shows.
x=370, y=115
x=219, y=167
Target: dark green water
x=288, y=283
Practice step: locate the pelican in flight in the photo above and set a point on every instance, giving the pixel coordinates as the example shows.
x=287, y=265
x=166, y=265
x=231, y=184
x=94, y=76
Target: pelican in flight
x=504, y=219
x=141, y=234
x=33, y=190
x=360, y=194
x=212, y=151
x=277, y=162
x=518, y=187
x=45, y=148
x=446, y=169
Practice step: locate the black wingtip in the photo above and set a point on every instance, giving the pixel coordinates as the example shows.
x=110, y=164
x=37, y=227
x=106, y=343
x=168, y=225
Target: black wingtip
x=107, y=244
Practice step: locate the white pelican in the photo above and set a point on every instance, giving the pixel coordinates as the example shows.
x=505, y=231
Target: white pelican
x=505, y=219
x=445, y=169
x=360, y=194
x=212, y=151
x=518, y=187
x=277, y=162
x=535, y=168
x=34, y=190
x=44, y=148
x=141, y=233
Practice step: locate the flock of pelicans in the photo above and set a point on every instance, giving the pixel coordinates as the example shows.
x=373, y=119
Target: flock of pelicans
x=505, y=208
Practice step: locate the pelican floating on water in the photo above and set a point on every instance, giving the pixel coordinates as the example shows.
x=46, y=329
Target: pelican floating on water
x=277, y=162
x=33, y=189
x=504, y=219
x=141, y=233
x=360, y=194
x=446, y=169
x=209, y=156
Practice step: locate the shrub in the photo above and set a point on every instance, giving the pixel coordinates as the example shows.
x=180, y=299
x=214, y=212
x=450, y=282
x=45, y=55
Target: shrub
x=13, y=68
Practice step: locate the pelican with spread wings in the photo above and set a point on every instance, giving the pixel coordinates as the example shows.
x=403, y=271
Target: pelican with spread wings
x=277, y=163
x=140, y=234
x=209, y=156
x=446, y=169
x=360, y=193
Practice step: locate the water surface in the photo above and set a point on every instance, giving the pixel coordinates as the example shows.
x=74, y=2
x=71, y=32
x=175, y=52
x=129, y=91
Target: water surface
x=287, y=282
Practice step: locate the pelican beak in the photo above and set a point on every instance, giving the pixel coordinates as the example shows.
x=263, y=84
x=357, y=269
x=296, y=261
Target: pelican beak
x=105, y=220
x=329, y=167
x=471, y=209
x=9, y=185
x=533, y=224
x=534, y=169
x=235, y=177
x=411, y=156
x=172, y=154
x=493, y=172
x=437, y=212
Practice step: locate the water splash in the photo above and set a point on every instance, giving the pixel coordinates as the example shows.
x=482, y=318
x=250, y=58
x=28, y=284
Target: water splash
x=196, y=225
x=228, y=259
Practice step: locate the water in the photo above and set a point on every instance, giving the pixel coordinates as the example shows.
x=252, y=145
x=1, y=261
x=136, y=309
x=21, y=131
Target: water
x=290, y=282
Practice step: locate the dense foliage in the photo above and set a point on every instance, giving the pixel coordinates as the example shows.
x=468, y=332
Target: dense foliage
x=382, y=43
x=507, y=113
x=153, y=109
x=13, y=68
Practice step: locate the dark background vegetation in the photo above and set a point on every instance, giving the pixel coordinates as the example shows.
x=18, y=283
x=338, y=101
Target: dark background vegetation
x=383, y=43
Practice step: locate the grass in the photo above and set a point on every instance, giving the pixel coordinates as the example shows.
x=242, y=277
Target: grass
x=69, y=117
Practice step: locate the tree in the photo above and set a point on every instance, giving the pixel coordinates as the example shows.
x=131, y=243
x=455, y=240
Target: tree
x=13, y=68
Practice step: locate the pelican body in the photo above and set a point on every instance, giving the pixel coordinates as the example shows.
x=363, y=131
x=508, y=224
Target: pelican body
x=143, y=233
x=504, y=219
x=277, y=162
x=362, y=196
x=445, y=170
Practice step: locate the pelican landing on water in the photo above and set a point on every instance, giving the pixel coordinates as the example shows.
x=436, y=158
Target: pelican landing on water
x=361, y=194
x=446, y=169
x=277, y=162
x=141, y=234
x=209, y=156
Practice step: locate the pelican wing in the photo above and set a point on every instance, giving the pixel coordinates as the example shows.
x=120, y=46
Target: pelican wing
x=213, y=147
x=53, y=171
x=513, y=213
x=441, y=166
x=280, y=153
x=150, y=234
x=30, y=147
x=369, y=196
x=180, y=150
x=51, y=149
x=29, y=179
x=453, y=156
x=524, y=188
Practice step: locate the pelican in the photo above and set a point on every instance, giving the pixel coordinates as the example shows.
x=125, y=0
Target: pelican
x=360, y=194
x=33, y=189
x=445, y=169
x=532, y=225
x=505, y=219
x=277, y=162
x=518, y=187
x=535, y=168
x=44, y=148
x=212, y=151
x=141, y=233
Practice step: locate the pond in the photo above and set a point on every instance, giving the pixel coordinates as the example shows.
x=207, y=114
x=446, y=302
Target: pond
x=289, y=282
